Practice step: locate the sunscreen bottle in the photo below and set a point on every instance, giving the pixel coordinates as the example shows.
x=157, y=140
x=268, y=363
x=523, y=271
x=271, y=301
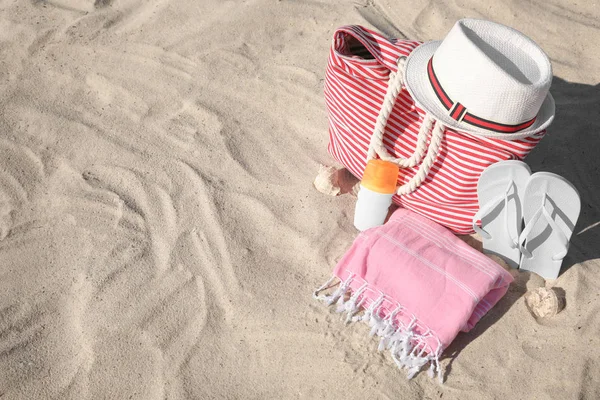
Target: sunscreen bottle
x=377, y=187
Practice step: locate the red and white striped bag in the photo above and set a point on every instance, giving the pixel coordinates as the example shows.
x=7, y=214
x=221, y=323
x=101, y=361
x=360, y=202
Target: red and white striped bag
x=441, y=166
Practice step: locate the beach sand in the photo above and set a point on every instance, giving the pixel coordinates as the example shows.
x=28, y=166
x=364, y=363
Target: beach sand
x=160, y=233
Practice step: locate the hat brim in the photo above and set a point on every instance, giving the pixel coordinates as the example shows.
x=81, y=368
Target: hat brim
x=419, y=87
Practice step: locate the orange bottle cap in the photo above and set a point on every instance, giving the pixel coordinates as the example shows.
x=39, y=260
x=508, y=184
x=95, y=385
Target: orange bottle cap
x=381, y=176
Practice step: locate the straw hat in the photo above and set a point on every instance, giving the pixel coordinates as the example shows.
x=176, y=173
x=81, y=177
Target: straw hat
x=483, y=78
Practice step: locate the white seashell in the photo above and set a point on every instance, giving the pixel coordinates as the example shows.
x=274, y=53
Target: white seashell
x=327, y=181
x=544, y=303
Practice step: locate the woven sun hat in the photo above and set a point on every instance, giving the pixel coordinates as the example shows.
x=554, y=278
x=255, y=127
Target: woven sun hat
x=483, y=78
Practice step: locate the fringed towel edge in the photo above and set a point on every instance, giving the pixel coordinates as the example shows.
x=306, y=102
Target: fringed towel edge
x=409, y=349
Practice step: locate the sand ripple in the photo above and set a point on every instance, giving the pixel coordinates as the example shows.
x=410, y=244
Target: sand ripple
x=159, y=233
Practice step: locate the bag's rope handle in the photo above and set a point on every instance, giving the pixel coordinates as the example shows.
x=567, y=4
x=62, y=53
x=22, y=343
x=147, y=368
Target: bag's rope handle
x=377, y=148
x=432, y=152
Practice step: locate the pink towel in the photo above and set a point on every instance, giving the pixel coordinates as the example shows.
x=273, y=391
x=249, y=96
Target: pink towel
x=418, y=285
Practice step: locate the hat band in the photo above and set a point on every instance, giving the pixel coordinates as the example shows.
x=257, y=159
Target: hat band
x=459, y=112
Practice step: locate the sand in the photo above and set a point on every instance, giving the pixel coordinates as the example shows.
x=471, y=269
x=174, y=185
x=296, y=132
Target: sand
x=160, y=233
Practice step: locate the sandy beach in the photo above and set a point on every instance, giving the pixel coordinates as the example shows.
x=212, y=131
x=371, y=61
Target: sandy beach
x=160, y=235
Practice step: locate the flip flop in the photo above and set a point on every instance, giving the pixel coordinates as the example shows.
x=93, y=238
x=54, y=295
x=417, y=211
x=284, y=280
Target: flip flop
x=500, y=191
x=551, y=207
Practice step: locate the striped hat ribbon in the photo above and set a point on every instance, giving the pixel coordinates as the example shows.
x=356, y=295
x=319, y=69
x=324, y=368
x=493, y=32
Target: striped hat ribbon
x=459, y=112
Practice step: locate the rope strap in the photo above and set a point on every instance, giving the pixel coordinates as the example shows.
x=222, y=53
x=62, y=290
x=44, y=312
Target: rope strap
x=377, y=148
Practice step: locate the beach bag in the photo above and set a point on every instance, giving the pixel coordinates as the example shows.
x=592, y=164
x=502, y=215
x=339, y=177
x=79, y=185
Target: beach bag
x=440, y=166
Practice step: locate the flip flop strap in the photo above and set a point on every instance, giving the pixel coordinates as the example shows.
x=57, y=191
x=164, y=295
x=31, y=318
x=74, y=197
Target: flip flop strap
x=489, y=206
x=529, y=225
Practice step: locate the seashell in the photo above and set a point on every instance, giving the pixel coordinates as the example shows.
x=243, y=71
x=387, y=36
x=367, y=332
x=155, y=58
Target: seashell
x=327, y=181
x=334, y=181
x=544, y=303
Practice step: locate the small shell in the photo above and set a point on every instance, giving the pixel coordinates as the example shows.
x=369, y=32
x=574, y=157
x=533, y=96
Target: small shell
x=334, y=181
x=544, y=303
x=327, y=181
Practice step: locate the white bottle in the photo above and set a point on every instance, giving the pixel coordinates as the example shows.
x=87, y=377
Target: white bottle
x=377, y=188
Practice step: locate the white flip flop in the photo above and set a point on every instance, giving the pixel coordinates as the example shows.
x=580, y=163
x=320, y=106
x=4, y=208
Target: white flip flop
x=551, y=207
x=500, y=191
